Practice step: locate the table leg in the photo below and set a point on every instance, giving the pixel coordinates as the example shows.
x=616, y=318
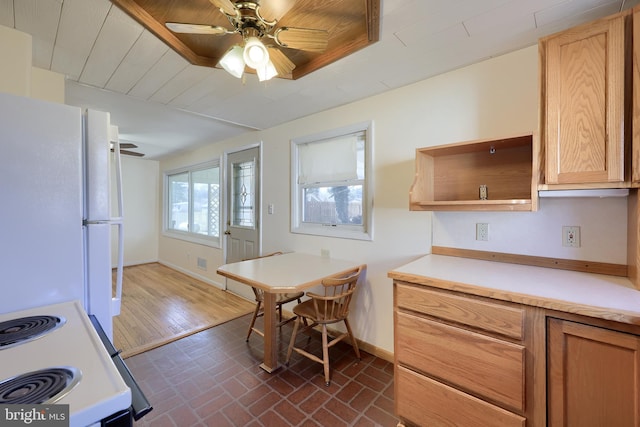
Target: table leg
x=270, y=363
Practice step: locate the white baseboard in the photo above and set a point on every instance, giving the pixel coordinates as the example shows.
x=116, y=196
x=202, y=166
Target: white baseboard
x=192, y=274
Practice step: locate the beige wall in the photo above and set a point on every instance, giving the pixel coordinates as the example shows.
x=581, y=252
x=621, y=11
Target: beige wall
x=15, y=68
x=47, y=85
x=18, y=77
x=494, y=98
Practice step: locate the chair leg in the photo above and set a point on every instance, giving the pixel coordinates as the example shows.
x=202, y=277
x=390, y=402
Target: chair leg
x=253, y=320
x=296, y=324
x=325, y=354
x=353, y=339
x=304, y=319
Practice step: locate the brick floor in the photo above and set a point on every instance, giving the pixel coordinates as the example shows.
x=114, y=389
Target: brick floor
x=213, y=378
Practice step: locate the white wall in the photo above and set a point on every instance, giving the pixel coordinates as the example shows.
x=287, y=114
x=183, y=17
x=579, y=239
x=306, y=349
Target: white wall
x=140, y=190
x=603, y=232
x=495, y=98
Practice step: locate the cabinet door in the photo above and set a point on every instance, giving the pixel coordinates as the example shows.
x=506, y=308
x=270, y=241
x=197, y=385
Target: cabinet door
x=593, y=376
x=584, y=100
x=635, y=156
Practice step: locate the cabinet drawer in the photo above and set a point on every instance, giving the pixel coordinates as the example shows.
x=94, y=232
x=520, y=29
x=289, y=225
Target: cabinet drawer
x=483, y=365
x=424, y=401
x=484, y=315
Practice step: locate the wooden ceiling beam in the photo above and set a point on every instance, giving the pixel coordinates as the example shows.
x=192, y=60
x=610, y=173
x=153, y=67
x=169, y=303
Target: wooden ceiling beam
x=352, y=25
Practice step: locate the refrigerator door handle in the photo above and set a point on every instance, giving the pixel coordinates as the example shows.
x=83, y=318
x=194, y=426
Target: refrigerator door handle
x=96, y=222
x=116, y=301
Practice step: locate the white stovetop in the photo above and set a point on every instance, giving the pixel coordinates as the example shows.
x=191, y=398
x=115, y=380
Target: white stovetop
x=101, y=390
x=596, y=295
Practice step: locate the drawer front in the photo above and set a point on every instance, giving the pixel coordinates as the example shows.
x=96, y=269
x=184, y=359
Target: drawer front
x=426, y=402
x=484, y=315
x=483, y=365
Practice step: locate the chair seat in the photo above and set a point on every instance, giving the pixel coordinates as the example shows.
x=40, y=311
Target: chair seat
x=307, y=310
x=332, y=307
x=285, y=298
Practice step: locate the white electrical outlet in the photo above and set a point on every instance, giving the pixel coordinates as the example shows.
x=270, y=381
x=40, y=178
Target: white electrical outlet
x=571, y=236
x=482, y=231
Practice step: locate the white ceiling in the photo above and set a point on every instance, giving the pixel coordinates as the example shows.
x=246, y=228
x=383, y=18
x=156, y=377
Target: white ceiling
x=164, y=104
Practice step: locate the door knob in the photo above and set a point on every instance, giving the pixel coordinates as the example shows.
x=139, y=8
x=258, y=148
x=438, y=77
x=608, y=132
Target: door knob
x=227, y=232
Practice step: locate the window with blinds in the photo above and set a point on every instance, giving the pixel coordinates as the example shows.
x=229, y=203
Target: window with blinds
x=331, y=194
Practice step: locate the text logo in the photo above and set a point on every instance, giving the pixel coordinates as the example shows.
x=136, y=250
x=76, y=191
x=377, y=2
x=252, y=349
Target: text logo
x=34, y=415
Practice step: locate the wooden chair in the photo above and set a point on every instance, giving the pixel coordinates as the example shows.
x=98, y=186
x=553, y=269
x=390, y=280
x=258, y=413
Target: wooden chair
x=331, y=307
x=281, y=299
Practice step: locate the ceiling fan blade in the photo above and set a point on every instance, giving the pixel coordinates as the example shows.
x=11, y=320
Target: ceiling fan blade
x=283, y=64
x=127, y=145
x=131, y=153
x=226, y=6
x=273, y=10
x=196, y=28
x=302, y=38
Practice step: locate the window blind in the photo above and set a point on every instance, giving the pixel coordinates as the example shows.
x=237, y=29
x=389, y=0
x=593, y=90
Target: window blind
x=330, y=160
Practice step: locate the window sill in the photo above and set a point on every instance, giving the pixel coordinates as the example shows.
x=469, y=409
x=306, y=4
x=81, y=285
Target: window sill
x=337, y=232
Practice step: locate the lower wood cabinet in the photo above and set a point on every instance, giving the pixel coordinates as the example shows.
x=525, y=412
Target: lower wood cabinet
x=593, y=376
x=460, y=361
x=422, y=400
x=474, y=362
x=463, y=360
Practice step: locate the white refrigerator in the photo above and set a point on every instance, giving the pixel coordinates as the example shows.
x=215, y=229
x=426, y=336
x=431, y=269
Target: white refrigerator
x=55, y=209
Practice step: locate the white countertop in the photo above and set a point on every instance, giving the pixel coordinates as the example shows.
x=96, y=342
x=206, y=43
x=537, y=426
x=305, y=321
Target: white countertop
x=595, y=295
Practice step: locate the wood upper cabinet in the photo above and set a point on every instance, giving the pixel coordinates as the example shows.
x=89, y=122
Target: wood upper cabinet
x=585, y=96
x=635, y=146
x=593, y=376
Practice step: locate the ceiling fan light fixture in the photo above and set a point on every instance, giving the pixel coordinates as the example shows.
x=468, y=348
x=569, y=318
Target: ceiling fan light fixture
x=267, y=72
x=255, y=53
x=233, y=61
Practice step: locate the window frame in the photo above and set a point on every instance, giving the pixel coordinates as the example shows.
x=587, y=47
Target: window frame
x=346, y=231
x=189, y=236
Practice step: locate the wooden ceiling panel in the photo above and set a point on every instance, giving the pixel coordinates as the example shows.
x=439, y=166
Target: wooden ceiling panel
x=351, y=26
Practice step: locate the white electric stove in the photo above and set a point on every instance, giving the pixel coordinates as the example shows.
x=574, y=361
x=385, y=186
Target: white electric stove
x=92, y=385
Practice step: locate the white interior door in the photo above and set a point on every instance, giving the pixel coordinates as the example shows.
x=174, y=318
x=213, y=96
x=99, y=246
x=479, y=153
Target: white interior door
x=243, y=211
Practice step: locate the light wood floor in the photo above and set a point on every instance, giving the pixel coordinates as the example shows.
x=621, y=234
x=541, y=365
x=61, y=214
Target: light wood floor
x=160, y=305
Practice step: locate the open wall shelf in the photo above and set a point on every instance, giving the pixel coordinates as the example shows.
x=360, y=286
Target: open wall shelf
x=448, y=177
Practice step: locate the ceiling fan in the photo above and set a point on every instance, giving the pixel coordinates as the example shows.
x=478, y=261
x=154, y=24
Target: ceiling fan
x=124, y=149
x=257, y=22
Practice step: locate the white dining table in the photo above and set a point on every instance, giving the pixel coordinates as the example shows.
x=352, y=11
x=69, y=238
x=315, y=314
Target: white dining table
x=289, y=272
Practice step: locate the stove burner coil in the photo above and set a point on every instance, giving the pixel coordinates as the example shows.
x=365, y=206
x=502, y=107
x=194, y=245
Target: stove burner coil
x=20, y=330
x=38, y=387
